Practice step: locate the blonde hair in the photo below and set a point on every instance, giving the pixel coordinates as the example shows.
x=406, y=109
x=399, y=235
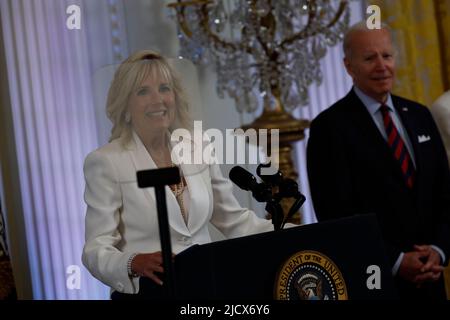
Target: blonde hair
x=128, y=77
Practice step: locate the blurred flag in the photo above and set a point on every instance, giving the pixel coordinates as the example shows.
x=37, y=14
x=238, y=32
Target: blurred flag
x=7, y=287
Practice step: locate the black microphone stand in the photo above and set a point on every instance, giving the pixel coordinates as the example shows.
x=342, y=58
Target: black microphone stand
x=159, y=178
x=287, y=188
x=276, y=211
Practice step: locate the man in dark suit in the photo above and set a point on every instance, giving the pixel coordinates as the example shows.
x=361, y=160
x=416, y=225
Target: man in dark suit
x=374, y=152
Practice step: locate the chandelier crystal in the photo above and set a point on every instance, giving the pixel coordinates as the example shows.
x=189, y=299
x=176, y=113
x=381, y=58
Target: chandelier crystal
x=264, y=51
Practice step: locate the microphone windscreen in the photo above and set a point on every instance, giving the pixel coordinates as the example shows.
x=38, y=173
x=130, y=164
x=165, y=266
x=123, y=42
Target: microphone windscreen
x=242, y=178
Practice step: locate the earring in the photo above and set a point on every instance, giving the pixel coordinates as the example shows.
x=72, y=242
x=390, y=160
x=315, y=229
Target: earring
x=127, y=117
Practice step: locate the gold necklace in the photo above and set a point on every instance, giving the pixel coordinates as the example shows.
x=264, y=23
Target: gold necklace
x=178, y=190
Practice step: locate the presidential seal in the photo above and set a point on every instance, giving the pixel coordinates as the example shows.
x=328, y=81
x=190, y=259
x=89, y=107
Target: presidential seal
x=309, y=275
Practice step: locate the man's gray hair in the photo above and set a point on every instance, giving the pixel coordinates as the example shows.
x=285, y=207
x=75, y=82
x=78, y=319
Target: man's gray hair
x=359, y=26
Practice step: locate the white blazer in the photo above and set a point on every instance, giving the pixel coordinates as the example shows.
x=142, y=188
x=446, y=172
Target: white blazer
x=441, y=114
x=121, y=218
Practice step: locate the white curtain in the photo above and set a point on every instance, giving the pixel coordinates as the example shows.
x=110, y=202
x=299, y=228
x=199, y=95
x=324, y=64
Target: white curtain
x=49, y=71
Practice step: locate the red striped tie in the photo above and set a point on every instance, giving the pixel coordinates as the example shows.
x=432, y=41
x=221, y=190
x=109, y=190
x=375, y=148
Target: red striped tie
x=398, y=147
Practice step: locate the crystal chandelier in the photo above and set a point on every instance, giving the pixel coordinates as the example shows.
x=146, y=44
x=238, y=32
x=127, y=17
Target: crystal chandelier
x=265, y=51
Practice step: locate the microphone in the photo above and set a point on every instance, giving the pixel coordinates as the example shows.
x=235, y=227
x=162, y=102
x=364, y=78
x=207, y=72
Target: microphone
x=246, y=181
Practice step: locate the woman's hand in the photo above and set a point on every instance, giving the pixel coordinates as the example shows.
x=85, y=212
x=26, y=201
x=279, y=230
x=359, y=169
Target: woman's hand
x=146, y=264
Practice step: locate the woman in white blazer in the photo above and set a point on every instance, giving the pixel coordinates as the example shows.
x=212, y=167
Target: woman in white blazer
x=145, y=104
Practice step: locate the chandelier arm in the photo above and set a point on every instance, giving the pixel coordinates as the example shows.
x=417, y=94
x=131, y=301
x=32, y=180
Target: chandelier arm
x=179, y=7
x=254, y=18
x=213, y=37
x=183, y=24
x=204, y=22
x=342, y=6
x=305, y=33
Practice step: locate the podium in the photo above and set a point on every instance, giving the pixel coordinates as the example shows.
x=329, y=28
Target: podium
x=340, y=259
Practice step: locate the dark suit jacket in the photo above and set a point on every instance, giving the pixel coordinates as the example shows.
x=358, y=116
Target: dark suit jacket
x=352, y=171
